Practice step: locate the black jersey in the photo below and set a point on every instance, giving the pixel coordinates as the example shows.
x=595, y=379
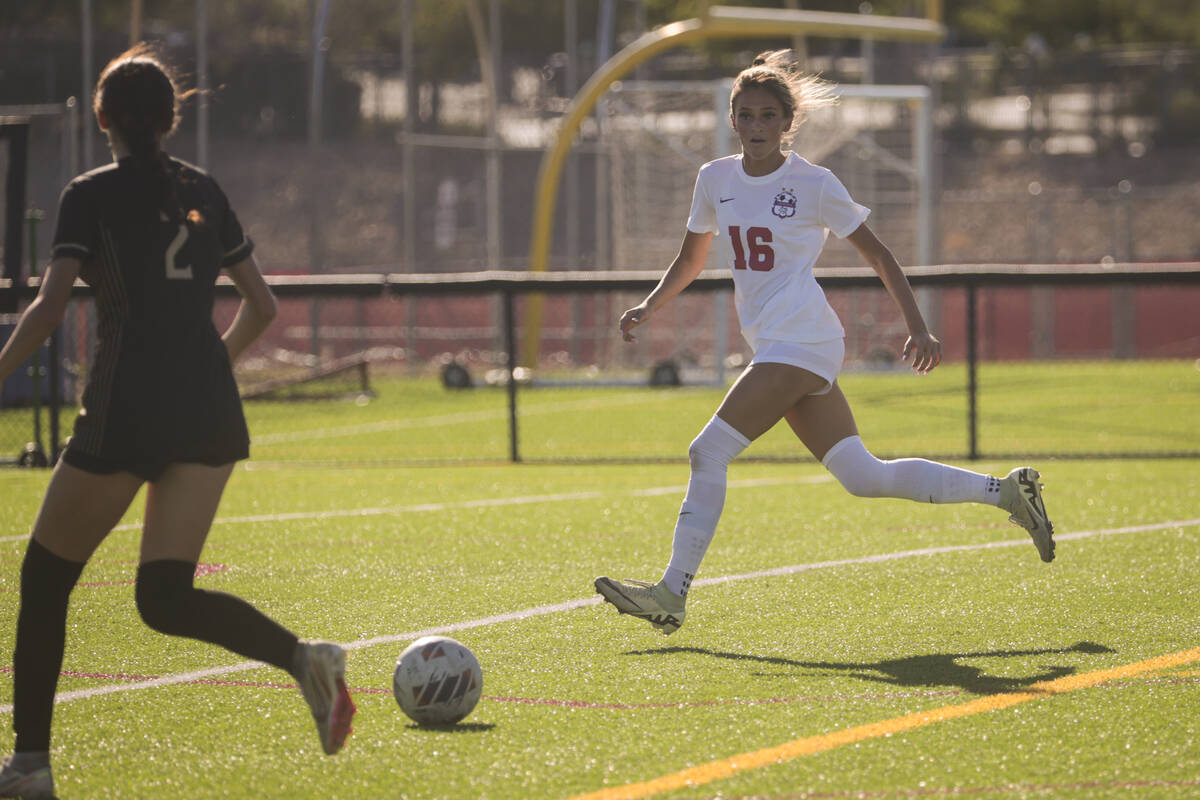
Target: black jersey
x=160, y=388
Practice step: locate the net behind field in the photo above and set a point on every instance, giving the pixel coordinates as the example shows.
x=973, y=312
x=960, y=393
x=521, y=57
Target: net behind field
x=658, y=134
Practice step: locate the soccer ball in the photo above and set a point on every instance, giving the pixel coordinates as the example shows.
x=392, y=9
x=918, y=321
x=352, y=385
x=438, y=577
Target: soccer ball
x=437, y=680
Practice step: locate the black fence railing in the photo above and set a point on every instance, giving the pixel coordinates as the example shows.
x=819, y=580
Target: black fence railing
x=507, y=288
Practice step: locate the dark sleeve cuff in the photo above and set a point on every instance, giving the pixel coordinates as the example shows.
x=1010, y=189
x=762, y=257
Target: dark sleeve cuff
x=239, y=253
x=68, y=250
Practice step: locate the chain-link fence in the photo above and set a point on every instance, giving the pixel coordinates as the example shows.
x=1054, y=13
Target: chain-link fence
x=410, y=174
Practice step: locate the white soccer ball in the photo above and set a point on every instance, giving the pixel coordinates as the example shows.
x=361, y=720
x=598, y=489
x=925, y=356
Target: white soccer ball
x=437, y=680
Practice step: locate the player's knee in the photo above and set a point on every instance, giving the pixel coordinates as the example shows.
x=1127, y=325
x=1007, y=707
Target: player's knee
x=703, y=459
x=717, y=445
x=859, y=472
x=162, y=593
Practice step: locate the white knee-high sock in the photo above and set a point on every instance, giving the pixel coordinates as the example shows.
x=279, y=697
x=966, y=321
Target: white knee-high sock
x=710, y=454
x=865, y=475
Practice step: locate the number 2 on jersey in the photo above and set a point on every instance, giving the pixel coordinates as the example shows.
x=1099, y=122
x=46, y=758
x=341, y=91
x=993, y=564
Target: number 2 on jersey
x=174, y=271
x=757, y=246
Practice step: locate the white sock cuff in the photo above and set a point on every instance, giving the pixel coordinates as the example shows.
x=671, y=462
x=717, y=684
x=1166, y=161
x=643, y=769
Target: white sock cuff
x=724, y=427
x=848, y=442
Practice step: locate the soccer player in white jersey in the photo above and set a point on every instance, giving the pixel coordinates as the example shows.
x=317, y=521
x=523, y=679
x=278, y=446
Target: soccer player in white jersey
x=771, y=211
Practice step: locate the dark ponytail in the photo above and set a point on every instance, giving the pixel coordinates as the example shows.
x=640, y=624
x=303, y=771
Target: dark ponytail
x=137, y=95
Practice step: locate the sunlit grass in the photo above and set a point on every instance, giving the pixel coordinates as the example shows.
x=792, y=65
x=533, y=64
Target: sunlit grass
x=580, y=699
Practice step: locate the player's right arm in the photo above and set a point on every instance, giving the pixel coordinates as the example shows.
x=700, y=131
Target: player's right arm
x=683, y=270
x=42, y=316
x=255, y=313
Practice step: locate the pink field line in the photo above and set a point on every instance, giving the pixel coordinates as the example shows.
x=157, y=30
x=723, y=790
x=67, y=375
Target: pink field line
x=201, y=571
x=586, y=704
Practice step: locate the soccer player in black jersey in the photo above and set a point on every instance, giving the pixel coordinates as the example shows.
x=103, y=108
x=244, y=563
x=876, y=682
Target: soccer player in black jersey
x=149, y=234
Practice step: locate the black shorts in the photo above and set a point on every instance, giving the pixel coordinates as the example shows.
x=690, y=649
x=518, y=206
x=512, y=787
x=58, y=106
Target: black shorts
x=147, y=470
x=157, y=411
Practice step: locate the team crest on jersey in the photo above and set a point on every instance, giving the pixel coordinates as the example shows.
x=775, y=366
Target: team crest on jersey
x=785, y=204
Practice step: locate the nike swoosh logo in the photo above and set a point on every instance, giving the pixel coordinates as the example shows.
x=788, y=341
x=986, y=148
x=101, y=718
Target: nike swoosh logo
x=726, y=199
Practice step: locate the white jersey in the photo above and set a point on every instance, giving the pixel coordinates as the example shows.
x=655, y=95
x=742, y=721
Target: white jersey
x=772, y=229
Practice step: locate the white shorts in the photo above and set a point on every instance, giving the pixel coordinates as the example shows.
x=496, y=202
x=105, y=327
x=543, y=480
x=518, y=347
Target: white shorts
x=821, y=358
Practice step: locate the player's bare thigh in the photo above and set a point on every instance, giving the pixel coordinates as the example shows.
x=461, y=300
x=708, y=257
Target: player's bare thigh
x=763, y=393
x=180, y=507
x=822, y=420
x=80, y=508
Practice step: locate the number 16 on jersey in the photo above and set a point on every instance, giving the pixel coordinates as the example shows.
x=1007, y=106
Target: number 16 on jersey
x=755, y=252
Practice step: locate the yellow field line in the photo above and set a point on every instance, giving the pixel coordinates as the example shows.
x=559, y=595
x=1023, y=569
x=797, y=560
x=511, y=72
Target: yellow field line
x=726, y=767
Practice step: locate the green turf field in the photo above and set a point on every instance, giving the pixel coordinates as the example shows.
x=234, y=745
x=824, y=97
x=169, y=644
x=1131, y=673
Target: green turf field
x=810, y=676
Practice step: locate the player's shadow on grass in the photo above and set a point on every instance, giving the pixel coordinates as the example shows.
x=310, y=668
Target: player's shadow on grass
x=930, y=671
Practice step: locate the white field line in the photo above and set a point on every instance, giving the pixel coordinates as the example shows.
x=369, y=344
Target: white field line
x=489, y=502
x=483, y=415
x=570, y=605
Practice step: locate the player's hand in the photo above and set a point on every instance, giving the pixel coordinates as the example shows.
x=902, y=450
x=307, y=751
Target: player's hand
x=923, y=351
x=631, y=319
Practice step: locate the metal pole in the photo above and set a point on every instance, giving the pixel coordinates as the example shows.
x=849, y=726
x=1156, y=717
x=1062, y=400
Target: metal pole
x=408, y=161
x=316, y=241
x=923, y=144
x=571, y=34
x=510, y=344
x=320, y=46
x=55, y=377
x=72, y=136
x=923, y=162
x=135, y=22
x=495, y=244
x=86, y=94
x=54, y=371
x=972, y=361
x=14, y=192
x=571, y=187
x=722, y=145
x=38, y=454
x=202, y=84
x=411, y=108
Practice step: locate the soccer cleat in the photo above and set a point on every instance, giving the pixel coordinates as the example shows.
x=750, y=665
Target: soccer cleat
x=323, y=683
x=38, y=783
x=1021, y=496
x=653, y=602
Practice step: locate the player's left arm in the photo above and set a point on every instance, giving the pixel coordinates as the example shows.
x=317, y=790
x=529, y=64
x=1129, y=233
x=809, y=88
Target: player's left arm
x=257, y=310
x=42, y=316
x=922, y=346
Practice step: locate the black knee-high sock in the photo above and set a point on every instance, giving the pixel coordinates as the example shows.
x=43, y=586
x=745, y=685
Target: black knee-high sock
x=46, y=583
x=170, y=604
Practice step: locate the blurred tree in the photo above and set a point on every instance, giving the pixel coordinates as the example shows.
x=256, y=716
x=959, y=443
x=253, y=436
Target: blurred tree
x=536, y=25
x=1065, y=22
